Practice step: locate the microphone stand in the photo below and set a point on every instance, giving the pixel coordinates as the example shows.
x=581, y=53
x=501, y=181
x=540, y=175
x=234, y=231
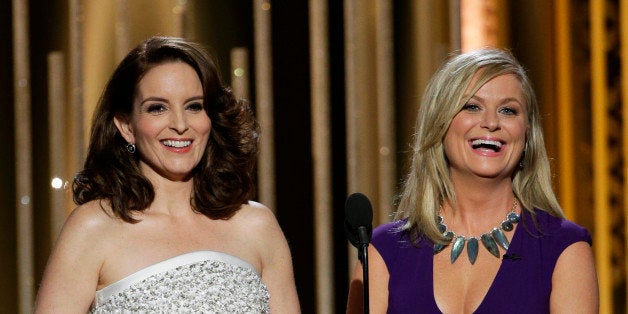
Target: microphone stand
x=363, y=257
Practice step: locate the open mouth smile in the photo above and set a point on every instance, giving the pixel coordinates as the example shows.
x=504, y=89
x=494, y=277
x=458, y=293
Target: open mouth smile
x=493, y=145
x=176, y=144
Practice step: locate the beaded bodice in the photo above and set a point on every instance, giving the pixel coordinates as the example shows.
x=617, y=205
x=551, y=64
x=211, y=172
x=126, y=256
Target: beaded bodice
x=197, y=282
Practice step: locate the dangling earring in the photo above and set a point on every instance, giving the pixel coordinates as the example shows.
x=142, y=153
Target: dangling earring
x=131, y=148
x=522, y=161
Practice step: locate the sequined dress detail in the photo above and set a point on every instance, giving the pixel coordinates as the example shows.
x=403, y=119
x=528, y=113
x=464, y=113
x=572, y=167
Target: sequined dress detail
x=196, y=282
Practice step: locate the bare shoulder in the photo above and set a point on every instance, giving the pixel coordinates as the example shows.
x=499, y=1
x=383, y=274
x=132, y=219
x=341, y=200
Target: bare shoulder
x=87, y=231
x=256, y=225
x=575, y=280
x=263, y=231
x=72, y=272
x=256, y=216
x=94, y=218
x=254, y=209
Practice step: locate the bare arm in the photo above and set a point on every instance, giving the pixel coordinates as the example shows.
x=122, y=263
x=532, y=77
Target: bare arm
x=71, y=276
x=378, y=285
x=574, y=282
x=277, y=271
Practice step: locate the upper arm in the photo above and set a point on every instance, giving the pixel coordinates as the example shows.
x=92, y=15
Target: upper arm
x=277, y=272
x=378, y=285
x=574, y=281
x=71, y=275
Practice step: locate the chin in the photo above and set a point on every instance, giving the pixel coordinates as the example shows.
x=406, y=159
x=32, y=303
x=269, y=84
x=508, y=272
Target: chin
x=179, y=174
x=493, y=174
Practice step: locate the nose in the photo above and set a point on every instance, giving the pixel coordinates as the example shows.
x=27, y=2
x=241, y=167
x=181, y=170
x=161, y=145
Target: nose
x=178, y=122
x=490, y=121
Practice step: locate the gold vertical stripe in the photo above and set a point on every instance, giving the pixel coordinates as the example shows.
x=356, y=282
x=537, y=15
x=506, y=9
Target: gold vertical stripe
x=600, y=159
x=424, y=49
x=351, y=111
x=122, y=30
x=361, y=73
x=76, y=138
x=482, y=24
x=321, y=151
x=56, y=139
x=240, y=72
x=362, y=96
x=351, y=95
x=264, y=101
x=385, y=110
x=623, y=25
x=564, y=101
x=23, y=157
x=454, y=25
x=178, y=14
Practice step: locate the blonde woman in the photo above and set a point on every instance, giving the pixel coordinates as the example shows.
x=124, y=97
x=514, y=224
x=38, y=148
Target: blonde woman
x=479, y=229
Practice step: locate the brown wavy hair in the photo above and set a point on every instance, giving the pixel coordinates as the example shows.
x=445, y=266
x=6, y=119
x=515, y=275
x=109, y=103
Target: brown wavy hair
x=223, y=179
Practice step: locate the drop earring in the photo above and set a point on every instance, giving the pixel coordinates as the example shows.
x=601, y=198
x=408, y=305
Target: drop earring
x=130, y=148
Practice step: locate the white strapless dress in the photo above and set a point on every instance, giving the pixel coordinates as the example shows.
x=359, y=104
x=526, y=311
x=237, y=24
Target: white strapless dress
x=196, y=282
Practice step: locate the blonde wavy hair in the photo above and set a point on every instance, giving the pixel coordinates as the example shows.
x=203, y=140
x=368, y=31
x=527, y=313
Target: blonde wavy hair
x=428, y=183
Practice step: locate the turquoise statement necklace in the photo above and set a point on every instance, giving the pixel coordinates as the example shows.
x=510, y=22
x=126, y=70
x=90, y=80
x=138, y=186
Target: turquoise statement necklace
x=490, y=239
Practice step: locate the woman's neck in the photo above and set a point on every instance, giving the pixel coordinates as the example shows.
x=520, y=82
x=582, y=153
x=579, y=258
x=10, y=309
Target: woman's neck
x=479, y=205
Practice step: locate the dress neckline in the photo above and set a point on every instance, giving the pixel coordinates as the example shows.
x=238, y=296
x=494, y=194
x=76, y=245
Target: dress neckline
x=500, y=270
x=173, y=262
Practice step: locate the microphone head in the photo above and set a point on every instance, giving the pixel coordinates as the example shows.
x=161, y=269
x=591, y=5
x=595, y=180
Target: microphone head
x=359, y=219
x=358, y=211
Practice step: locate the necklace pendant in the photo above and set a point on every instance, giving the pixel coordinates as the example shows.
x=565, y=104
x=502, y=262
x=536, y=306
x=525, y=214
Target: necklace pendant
x=472, y=249
x=500, y=238
x=490, y=244
x=457, y=248
x=439, y=247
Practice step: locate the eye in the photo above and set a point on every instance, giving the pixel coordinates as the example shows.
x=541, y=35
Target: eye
x=156, y=108
x=509, y=111
x=195, y=107
x=470, y=107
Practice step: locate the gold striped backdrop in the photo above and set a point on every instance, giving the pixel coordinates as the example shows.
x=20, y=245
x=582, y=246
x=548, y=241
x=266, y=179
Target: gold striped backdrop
x=23, y=157
x=580, y=92
x=321, y=155
x=601, y=181
x=623, y=17
x=264, y=101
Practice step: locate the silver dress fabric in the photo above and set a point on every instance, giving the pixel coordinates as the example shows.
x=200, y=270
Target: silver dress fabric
x=196, y=282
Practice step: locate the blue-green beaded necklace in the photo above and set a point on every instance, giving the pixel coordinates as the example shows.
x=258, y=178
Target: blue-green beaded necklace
x=490, y=239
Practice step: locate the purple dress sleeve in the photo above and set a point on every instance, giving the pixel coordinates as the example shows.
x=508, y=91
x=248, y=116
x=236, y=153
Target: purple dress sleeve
x=522, y=285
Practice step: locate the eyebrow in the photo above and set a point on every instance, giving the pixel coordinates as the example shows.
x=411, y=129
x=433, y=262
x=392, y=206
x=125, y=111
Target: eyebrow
x=159, y=99
x=505, y=100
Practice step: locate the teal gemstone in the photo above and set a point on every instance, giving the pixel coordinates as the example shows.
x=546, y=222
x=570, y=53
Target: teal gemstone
x=442, y=228
x=457, y=248
x=500, y=238
x=507, y=225
x=438, y=247
x=449, y=235
x=490, y=244
x=472, y=249
x=513, y=218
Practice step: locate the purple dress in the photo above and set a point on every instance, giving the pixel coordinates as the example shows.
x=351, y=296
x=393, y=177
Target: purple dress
x=523, y=282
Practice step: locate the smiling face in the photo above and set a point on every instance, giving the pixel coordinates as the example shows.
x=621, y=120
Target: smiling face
x=169, y=124
x=487, y=137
